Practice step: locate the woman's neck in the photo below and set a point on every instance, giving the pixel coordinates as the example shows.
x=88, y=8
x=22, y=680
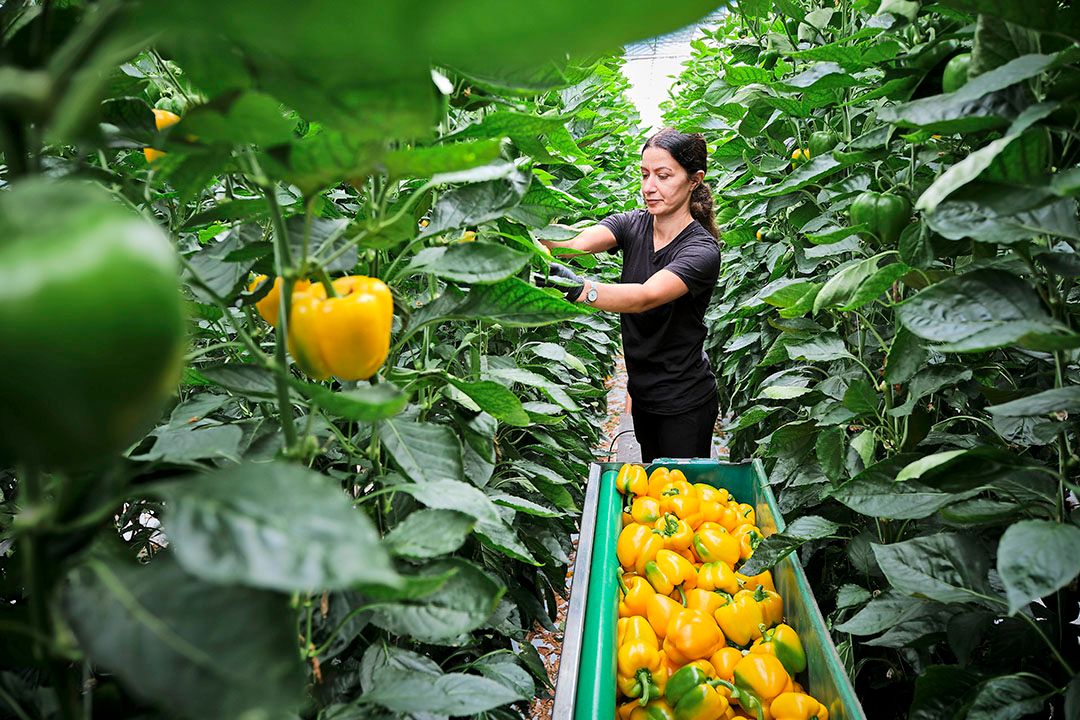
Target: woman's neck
x=666, y=227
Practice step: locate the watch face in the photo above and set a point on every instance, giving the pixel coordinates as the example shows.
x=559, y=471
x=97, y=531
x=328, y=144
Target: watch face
x=592, y=295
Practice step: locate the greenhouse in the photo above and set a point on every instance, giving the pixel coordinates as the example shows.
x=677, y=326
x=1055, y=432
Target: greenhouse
x=577, y=361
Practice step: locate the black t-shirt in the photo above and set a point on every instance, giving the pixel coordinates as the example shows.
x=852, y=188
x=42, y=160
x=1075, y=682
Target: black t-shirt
x=668, y=371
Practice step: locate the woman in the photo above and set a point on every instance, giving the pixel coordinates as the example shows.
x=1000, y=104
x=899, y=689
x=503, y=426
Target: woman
x=671, y=263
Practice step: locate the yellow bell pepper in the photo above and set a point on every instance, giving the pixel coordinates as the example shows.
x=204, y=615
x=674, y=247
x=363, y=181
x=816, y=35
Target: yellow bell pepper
x=680, y=498
x=645, y=510
x=676, y=533
x=636, y=546
x=704, y=600
x=748, y=537
x=751, y=582
x=347, y=336
x=692, y=635
x=759, y=679
x=712, y=543
x=693, y=694
x=797, y=706
x=268, y=306
x=783, y=643
x=772, y=606
x=718, y=576
x=636, y=592
x=640, y=667
x=669, y=571
x=658, y=480
x=747, y=514
x=658, y=709
x=708, y=493
x=659, y=609
x=162, y=119
x=724, y=661
x=632, y=480
x=740, y=618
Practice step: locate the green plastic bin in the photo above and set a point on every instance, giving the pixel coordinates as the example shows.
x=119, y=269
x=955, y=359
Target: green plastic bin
x=585, y=689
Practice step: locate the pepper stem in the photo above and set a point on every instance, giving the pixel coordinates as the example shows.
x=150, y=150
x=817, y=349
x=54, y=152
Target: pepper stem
x=644, y=678
x=681, y=594
x=622, y=583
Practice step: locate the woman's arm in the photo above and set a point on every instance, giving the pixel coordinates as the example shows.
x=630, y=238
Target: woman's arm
x=661, y=288
x=590, y=240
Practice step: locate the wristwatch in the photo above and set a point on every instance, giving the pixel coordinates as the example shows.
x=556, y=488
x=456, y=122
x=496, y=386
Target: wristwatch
x=590, y=295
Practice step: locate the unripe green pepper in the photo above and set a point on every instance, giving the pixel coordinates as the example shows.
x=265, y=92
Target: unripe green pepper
x=822, y=142
x=955, y=75
x=885, y=215
x=91, y=324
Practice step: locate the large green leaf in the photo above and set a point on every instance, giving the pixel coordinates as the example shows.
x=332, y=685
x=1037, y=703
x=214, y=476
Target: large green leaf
x=425, y=452
x=1009, y=697
x=429, y=533
x=272, y=525
x=366, y=403
x=463, y=497
x=982, y=103
x=945, y=567
x=1035, y=558
x=494, y=399
x=471, y=262
x=462, y=604
x=983, y=310
x=878, y=492
x=409, y=691
x=1043, y=15
x=1019, y=159
x=1056, y=400
x=193, y=648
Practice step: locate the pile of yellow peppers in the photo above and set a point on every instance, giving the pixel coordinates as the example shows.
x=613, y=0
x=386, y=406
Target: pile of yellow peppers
x=697, y=639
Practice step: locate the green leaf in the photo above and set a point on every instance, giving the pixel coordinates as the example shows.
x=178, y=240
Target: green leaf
x=906, y=355
x=461, y=605
x=945, y=567
x=253, y=382
x=428, y=161
x=829, y=448
x=1008, y=697
x=821, y=348
x=1043, y=15
x=429, y=533
x=983, y=310
x=1022, y=159
x=779, y=545
x=472, y=262
x=494, y=399
x=252, y=118
x=409, y=691
x=848, y=596
x=978, y=105
x=478, y=202
x=425, y=452
x=272, y=525
x=192, y=648
x=364, y=403
x=1035, y=558
x=186, y=445
x=884, y=612
x=455, y=495
x=875, y=493
x=807, y=174
x=821, y=76
x=1004, y=214
x=1056, y=400
x=859, y=283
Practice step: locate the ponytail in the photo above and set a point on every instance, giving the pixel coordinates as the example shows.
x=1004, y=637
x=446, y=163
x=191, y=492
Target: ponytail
x=701, y=208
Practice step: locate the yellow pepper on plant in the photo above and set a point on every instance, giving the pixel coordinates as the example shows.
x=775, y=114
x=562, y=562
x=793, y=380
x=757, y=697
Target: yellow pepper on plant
x=347, y=336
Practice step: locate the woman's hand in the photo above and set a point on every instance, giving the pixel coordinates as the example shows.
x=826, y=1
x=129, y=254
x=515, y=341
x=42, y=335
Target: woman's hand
x=565, y=279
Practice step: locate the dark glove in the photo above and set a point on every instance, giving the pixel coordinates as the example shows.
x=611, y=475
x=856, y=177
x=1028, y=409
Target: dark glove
x=563, y=278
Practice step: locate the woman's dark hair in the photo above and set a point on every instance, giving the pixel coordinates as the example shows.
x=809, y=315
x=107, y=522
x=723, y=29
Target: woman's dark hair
x=690, y=152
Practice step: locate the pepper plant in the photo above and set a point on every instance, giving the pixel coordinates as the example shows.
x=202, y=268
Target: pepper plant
x=895, y=329
x=270, y=544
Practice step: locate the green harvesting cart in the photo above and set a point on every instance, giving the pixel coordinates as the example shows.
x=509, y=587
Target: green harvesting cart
x=586, y=685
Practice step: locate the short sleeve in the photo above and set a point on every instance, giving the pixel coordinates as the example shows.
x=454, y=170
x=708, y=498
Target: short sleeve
x=697, y=265
x=619, y=225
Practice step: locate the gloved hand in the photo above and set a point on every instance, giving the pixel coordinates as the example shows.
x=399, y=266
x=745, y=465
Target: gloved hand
x=564, y=278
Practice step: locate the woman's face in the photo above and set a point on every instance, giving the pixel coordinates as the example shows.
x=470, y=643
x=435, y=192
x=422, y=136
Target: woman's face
x=665, y=185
